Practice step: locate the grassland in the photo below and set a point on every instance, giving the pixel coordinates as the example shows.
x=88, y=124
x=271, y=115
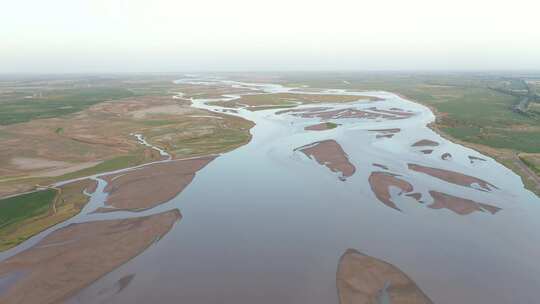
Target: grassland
x=196, y=136
x=25, y=215
x=25, y=206
x=532, y=161
x=55, y=103
x=331, y=125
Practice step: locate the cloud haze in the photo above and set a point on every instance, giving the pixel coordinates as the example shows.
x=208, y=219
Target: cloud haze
x=166, y=35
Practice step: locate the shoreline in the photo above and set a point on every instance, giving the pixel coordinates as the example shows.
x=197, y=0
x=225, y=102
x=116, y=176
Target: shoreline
x=483, y=149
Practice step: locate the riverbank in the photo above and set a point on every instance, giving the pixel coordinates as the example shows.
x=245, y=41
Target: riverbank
x=324, y=203
x=509, y=158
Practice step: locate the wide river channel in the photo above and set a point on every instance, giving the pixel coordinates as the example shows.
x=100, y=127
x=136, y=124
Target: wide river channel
x=268, y=222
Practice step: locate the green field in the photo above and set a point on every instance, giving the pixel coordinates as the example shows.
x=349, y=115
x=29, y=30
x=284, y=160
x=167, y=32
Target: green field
x=17, y=108
x=531, y=163
x=25, y=215
x=25, y=206
x=116, y=163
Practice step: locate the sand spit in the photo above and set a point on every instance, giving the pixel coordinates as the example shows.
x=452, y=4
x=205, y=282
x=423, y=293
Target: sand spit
x=380, y=183
x=321, y=126
x=362, y=279
x=337, y=114
x=72, y=257
x=330, y=154
x=417, y=196
x=454, y=177
x=474, y=159
x=306, y=110
x=393, y=130
x=329, y=113
x=395, y=112
x=425, y=143
x=386, y=133
x=151, y=185
x=459, y=205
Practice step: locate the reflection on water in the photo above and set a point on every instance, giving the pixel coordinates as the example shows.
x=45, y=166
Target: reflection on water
x=266, y=224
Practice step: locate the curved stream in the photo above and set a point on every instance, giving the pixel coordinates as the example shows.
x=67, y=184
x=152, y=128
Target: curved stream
x=266, y=223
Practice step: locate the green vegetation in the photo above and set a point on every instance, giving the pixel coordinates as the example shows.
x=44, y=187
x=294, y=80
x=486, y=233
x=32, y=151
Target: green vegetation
x=219, y=141
x=193, y=136
x=25, y=215
x=22, y=207
x=331, y=125
x=116, y=163
x=56, y=103
x=531, y=164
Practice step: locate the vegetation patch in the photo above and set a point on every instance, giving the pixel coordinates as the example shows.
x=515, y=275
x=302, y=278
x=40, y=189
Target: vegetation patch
x=25, y=215
x=56, y=103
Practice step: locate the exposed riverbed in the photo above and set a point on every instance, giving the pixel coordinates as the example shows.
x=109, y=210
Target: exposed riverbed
x=268, y=222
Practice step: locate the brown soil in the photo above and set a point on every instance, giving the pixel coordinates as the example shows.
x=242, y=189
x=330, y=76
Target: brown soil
x=209, y=91
x=336, y=114
x=273, y=98
x=326, y=113
x=73, y=257
x=386, y=133
x=43, y=150
x=319, y=127
x=425, y=143
x=152, y=185
x=395, y=113
x=417, y=196
x=316, y=109
x=393, y=131
x=362, y=279
x=330, y=154
x=473, y=159
x=92, y=186
x=452, y=177
x=459, y=205
x=380, y=183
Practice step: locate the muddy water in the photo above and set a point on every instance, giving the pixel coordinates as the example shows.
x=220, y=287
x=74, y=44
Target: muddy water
x=268, y=224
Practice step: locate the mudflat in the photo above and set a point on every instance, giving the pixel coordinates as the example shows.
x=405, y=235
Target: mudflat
x=380, y=183
x=330, y=154
x=321, y=126
x=453, y=177
x=459, y=205
x=72, y=257
x=151, y=185
x=362, y=279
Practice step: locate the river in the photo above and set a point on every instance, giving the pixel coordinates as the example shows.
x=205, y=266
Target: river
x=267, y=223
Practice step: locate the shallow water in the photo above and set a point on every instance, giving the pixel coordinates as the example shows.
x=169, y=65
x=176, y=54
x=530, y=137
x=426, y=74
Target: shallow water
x=267, y=224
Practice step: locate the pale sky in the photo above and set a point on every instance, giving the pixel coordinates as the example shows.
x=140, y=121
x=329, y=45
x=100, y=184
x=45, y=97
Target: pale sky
x=43, y=36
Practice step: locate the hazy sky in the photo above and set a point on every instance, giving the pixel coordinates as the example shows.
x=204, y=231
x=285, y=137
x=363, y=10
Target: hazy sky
x=170, y=36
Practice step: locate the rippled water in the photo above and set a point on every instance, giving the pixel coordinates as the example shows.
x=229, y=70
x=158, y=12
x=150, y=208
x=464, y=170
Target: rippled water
x=266, y=224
